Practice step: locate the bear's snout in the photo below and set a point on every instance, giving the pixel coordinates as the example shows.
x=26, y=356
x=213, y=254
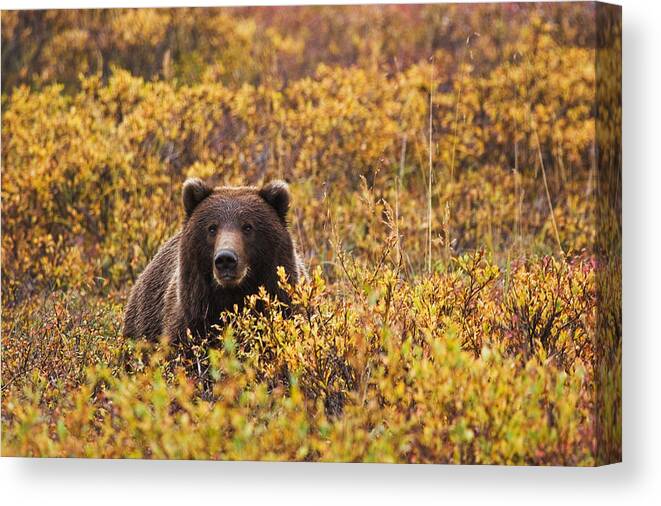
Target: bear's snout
x=226, y=261
x=229, y=262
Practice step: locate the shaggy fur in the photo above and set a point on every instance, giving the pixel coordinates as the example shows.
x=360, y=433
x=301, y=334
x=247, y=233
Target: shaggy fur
x=182, y=288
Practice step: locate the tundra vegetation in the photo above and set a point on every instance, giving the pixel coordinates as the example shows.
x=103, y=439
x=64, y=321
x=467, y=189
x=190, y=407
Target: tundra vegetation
x=443, y=167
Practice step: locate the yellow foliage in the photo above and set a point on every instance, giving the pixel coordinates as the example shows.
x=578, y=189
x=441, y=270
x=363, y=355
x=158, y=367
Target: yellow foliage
x=487, y=357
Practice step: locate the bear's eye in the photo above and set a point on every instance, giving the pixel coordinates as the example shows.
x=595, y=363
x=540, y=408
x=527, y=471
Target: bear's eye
x=213, y=228
x=247, y=227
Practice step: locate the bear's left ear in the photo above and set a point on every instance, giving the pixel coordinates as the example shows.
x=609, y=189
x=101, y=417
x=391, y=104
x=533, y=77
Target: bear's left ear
x=195, y=191
x=276, y=193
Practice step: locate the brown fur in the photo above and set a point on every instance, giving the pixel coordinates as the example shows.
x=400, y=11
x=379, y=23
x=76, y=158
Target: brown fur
x=183, y=289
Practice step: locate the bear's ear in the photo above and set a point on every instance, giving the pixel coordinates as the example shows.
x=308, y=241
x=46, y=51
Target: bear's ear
x=195, y=191
x=276, y=193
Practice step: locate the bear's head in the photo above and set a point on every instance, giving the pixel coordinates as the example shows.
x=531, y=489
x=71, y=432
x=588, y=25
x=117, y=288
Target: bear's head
x=235, y=237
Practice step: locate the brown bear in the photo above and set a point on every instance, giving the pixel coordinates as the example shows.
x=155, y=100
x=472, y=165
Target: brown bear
x=232, y=241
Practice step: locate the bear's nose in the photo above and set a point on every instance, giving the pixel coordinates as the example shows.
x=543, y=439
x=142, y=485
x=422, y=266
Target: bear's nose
x=226, y=260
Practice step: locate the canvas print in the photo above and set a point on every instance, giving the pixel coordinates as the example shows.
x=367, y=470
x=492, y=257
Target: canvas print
x=381, y=233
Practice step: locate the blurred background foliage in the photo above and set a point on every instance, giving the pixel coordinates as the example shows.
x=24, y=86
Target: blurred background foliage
x=454, y=302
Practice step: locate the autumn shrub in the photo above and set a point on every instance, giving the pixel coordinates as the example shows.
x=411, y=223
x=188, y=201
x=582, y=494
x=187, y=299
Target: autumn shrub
x=388, y=373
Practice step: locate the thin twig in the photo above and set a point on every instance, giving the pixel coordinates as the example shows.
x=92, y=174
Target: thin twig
x=397, y=185
x=548, y=194
x=429, y=178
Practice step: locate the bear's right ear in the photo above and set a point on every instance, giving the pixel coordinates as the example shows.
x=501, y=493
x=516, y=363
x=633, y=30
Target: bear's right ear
x=195, y=191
